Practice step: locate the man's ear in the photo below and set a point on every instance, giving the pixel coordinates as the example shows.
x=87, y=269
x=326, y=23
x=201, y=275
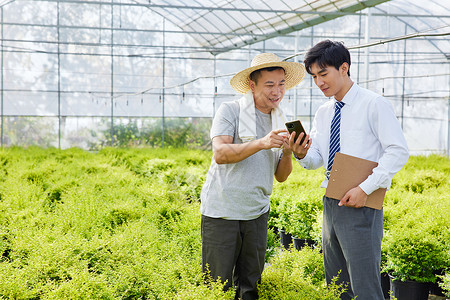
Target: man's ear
x=344, y=68
x=252, y=85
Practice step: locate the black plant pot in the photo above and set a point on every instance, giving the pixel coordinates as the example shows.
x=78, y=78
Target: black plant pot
x=409, y=290
x=300, y=243
x=285, y=239
x=385, y=284
x=435, y=288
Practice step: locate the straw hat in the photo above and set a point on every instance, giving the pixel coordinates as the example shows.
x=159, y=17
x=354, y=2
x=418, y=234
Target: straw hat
x=294, y=72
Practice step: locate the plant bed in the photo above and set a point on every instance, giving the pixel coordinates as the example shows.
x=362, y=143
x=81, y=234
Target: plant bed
x=125, y=223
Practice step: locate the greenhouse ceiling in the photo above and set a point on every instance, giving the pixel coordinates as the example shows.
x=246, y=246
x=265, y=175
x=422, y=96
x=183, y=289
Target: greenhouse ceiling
x=231, y=24
x=234, y=24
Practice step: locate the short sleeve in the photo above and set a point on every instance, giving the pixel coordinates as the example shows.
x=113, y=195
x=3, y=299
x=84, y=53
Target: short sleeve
x=225, y=120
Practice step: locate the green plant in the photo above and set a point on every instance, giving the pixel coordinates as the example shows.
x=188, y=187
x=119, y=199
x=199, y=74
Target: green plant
x=316, y=232
x=297, y=214
x=274, y=211
x=415, y=255
x=178, y=133
x=302, y=217
x=281, y=215
x=272, y=244
x=445, y=284
x=297, y=275
x=125, y=223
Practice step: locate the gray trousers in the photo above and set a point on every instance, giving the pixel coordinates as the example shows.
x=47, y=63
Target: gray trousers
x=352, y=246
x=235, y=252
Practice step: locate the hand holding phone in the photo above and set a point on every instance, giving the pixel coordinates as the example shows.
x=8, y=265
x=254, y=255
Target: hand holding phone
x=298, y=128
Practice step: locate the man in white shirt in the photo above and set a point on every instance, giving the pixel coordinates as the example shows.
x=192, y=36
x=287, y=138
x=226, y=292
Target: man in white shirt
x=360, y=123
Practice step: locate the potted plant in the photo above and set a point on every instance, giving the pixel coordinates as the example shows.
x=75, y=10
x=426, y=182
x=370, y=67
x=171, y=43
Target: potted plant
x=301, y=219
x=413, y=256
x=436, y=287
x=385, y=281
x=273, y=215
x=316, y=232
x=282, y=222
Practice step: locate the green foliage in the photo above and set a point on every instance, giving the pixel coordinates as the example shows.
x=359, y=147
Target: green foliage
x=415, y=255
x=445, y=284
x=30, y=131
x=297, y=275
x=417, y=205
x=296, y=203
x=125, y=224
x=302, y=218
x=178, y=133
x=297, y=213
x=80, y=225
x=416, y=220
x=423, y=180
x=316, y=232
x=273, y=243
x=307, y=262
x=157, y=165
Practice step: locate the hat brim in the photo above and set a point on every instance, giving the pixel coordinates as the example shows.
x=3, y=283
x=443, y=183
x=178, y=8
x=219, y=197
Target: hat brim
x=294, y=74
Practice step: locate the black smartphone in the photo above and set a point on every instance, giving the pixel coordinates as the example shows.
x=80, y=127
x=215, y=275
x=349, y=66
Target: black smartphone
x=297, y=127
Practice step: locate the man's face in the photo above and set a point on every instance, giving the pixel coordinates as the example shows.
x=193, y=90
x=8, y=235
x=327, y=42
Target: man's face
x=330, y=81
x=269, y=91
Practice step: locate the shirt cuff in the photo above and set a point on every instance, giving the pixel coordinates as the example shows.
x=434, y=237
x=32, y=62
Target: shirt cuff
x=296, y=157
x=368, y=187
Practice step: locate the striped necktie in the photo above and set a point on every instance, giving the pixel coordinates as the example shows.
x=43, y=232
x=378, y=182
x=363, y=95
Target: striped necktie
x=335, y=144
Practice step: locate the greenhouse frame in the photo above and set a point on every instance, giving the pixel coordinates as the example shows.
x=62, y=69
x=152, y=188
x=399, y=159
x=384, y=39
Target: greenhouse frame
x=101, y=73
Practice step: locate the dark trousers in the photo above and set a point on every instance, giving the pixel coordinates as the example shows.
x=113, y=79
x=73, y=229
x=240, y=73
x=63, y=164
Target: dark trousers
x=234, y=251
x=352, y=246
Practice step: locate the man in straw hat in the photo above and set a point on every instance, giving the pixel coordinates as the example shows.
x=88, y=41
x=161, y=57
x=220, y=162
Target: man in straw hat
x=359, y=123
x=249, y=147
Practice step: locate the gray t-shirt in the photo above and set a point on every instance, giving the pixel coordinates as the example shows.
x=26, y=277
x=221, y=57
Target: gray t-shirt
x=239, y=191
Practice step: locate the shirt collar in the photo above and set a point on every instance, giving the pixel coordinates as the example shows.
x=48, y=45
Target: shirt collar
x=350, y=96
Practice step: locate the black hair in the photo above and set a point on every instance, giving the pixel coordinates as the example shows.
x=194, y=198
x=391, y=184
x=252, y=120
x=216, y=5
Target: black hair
x=327, y=53
x=254, y=76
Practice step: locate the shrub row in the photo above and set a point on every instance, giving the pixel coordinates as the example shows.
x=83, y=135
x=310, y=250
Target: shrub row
x=119, y=224
x=416, y=243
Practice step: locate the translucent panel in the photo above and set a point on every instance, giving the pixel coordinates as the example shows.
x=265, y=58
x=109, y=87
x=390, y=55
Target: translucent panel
x=81, y=71
x=85, y=104
x=30, y=13
x=84, y=132
x=343, y=3
x=136, y=73
x=134, y=17
x=27, y=33
x=28, y=103
x=213, y=18
x=35, y=70
x=30, y=131
x=74, y=14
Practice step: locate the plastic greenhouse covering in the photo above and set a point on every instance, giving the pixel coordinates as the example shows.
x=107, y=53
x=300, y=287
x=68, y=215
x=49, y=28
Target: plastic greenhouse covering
x=74, y=70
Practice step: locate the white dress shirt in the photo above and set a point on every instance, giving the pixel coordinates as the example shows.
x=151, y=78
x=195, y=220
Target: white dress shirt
x=369, y=130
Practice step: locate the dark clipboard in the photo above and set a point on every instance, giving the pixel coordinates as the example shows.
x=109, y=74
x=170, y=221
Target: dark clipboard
x=348, y=172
